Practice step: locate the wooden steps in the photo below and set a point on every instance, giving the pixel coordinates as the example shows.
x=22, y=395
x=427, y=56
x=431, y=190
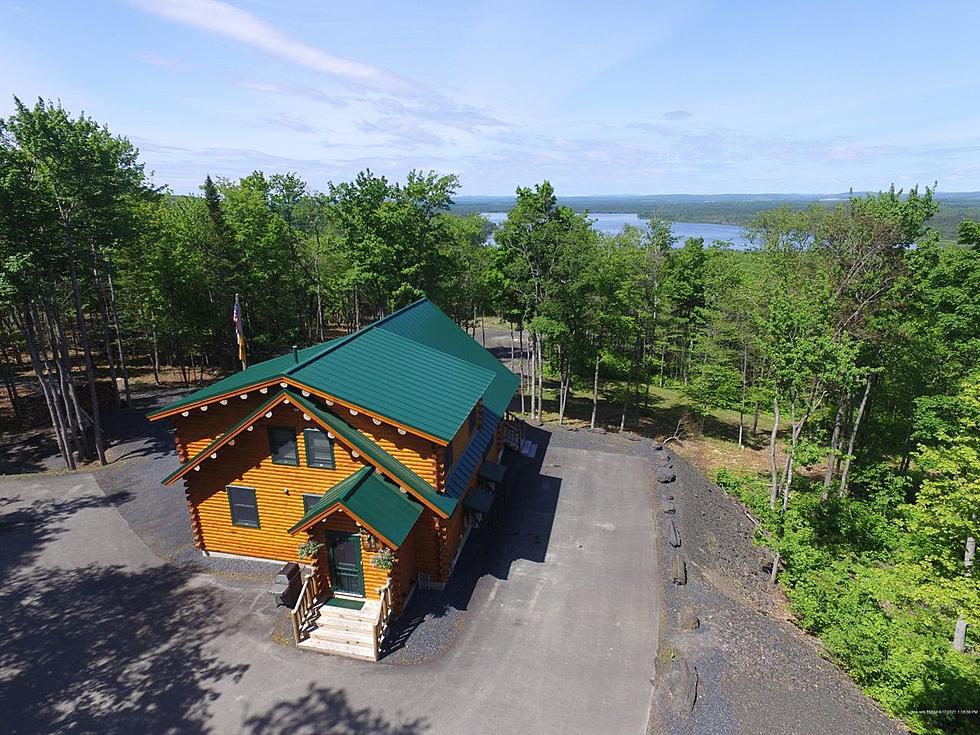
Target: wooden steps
x=342, y=631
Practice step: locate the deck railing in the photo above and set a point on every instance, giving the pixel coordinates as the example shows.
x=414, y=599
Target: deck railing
x=513, y=431
x=304, y=612
x=381, y=624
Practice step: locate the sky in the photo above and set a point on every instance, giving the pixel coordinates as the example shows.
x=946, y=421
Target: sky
x=599, y=98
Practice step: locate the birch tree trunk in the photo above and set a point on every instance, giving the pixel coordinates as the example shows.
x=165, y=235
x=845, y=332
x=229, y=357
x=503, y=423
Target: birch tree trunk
x=850, y=443
x=86, y=345
x=595, y=391
x=828, y=475
x=51, y=400
x=741, y=401
x=520, y=337
x=773, y=470
x=119, y=338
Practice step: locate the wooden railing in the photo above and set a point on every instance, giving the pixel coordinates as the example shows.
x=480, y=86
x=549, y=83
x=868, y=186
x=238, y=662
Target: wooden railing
x=304, y=612
x=513, y=431
x=381, y=624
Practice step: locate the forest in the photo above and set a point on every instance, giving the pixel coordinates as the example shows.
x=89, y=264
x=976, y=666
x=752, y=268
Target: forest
x=852, y=331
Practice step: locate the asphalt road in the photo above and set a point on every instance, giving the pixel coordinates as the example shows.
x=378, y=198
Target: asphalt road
x=105, y=633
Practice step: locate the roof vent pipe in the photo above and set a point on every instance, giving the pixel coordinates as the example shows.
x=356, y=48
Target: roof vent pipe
x=295, y=355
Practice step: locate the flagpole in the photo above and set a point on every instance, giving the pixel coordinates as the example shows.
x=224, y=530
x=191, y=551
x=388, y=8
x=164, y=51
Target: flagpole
x=239, y=323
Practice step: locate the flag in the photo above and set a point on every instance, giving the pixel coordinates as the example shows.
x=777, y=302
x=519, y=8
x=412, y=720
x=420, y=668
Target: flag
x=236, y=319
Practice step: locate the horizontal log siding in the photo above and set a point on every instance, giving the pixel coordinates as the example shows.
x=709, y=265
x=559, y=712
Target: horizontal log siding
x=427, y=544
x=453, y=534
x=404, y=572
x=200, y=428
x=249, y=464
x=459, y=443
x=418, y=454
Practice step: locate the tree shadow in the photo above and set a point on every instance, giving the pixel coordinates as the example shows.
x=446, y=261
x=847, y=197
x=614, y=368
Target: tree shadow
x=130, y=434
x=101, y=648
x=524, y=515
x=28, y=451
x=326, y=711
x=26, y=529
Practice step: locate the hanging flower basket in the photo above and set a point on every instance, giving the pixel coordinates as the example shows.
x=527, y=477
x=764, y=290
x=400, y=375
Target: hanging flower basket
x=309, y=549
x=384, y=559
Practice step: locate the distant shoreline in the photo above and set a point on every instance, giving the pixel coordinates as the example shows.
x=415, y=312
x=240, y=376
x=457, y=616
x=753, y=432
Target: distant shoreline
x=722, y=209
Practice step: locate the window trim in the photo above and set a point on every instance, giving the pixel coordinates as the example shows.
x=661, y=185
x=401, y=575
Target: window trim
x=231, y=506
x=272, y=454
x=309, y=460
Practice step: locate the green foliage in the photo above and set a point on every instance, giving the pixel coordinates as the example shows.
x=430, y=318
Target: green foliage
x=969, y=233
x=858, y=577
x=309, y=549
x=384, y=559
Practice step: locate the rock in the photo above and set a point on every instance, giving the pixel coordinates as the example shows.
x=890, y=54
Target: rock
x=665, y=474
x=675, y=538
x=663, y=460
x=598, y=430
x=657, y=446
x=668, y=509
x=678, y=570
x=670, y=497
x=687, y=619
x=630, y=436
x=682, y=684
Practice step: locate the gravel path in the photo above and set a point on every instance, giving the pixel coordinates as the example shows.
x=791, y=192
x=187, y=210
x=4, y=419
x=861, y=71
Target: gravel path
x=756, y=671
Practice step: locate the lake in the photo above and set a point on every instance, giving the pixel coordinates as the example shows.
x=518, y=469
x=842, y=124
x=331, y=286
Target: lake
x=612, y=222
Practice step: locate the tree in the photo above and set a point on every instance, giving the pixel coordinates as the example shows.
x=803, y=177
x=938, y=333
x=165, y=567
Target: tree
x=969, y=233
x=80, y=175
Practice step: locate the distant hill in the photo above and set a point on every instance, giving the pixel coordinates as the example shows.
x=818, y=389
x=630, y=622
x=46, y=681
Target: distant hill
x=725, y=209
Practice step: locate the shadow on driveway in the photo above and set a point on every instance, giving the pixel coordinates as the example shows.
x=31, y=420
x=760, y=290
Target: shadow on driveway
x=525, y=514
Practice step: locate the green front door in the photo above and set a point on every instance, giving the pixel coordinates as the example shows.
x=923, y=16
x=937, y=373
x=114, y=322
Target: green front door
x=344, y=552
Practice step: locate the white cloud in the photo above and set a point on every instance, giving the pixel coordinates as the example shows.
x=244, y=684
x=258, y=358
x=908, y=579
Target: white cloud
x=240, y=25
x=155, y=59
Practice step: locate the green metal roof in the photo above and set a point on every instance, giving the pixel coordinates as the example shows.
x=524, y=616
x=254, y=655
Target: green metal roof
x=415, y=484
x=374, y=501
x=399, y=378
x=415, y=367
x=425, y=324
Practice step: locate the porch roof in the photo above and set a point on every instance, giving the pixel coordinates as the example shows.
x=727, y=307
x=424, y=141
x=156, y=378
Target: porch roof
x=371, y=500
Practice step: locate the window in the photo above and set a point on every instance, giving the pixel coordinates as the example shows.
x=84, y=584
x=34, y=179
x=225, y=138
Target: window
x=472, y=422
x=282, y=445
x=319, y=449
x=448, y=457
x=309, y=500
x=244, y=509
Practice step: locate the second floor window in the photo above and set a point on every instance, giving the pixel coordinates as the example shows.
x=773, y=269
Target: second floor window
x=309, y=500
x=319, y=449
x=282, y=445
x=448, y=457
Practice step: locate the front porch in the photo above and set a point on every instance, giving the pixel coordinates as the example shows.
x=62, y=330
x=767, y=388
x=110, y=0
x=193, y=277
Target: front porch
x=340, y=625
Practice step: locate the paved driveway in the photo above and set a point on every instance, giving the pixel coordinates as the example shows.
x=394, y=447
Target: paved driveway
x=103, y=636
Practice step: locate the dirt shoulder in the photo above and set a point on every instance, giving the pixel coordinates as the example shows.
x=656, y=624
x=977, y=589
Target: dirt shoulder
x=756, y=671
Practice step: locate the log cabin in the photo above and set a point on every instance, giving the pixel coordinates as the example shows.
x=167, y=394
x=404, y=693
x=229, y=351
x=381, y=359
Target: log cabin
x=364, y=459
